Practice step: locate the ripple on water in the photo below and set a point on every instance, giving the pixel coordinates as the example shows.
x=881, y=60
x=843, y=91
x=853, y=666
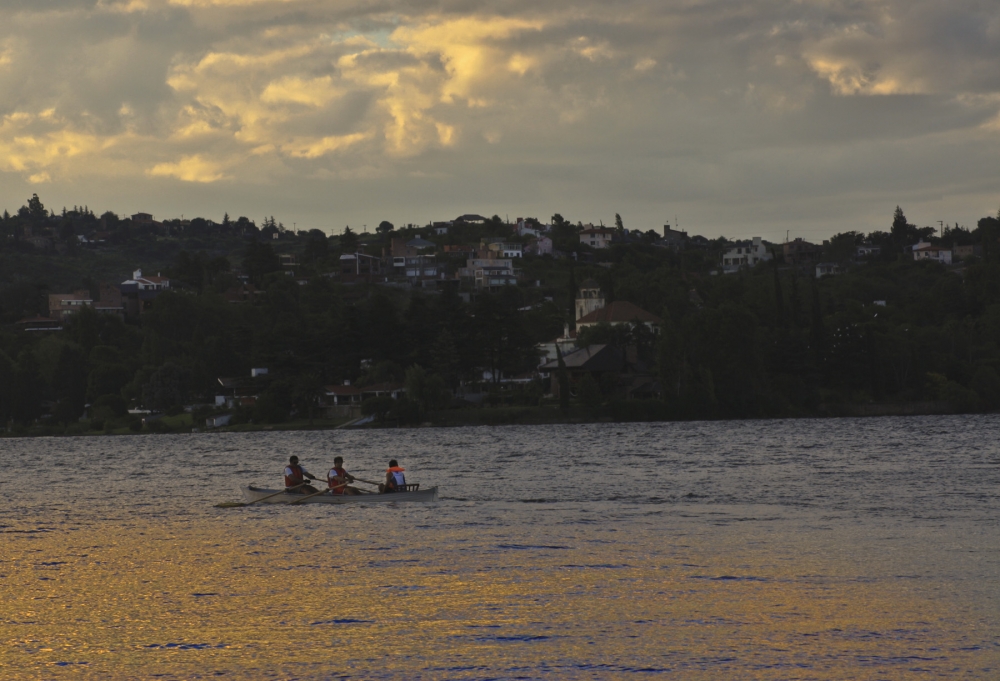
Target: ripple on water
x=826, y=549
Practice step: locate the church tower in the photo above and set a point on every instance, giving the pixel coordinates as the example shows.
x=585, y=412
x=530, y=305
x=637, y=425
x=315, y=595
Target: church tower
x=589, y=298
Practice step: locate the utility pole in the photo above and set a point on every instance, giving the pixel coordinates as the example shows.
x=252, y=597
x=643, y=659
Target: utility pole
x=941, y=227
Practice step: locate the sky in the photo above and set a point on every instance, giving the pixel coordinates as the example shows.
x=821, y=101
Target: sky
x=773, y=118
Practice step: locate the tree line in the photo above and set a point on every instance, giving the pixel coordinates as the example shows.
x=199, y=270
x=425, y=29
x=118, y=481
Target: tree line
x=771, y=341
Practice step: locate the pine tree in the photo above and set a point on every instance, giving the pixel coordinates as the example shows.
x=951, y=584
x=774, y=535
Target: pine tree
x=36, y=209
x=348, y=241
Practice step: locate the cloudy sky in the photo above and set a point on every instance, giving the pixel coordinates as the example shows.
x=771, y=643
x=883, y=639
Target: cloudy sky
x=739, y=118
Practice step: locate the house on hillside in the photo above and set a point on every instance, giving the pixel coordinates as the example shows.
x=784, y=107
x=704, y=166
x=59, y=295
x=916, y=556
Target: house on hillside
x=565, y=344
x=341, y=400
x=529, y=227
x=460, y=250
x=799, y=251
x=490, y=274
x=673, y=239
x=588, y=299
x=507, y=250
x=744, y=254
x=540, y=246
x=414, y=260
x=146, y=220
x=925, y=251
x=866, y=251
x=593, y=360
x=139, y=292
x=620, y=312
x=393, y=390
x=64, y=305
x=963, y=252
x=597, y=237
x=360, y=266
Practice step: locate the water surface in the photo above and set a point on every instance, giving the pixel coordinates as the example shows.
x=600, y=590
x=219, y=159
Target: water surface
x=805, y=549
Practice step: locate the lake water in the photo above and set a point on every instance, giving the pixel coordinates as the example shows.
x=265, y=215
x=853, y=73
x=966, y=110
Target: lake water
x=805, y=549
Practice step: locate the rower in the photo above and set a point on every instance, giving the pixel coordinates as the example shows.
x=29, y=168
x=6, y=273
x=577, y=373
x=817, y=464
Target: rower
x=338, y=478
x=295, y=475
x=395, y=481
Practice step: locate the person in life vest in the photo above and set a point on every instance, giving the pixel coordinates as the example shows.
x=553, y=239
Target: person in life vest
x=295, y=476
x=395, y=481
x=338, y=478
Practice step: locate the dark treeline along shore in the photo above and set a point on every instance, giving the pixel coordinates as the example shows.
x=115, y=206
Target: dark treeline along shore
x=478, y=320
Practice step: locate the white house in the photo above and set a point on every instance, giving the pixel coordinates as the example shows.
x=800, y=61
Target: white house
x=142, y=283
x=597, y=237
x=745, y=254
x=824, y=269
x=540, y=246
x=507, y=250
x=566, y=344
x=529, y=228
x=925, y=251
x=866, y=251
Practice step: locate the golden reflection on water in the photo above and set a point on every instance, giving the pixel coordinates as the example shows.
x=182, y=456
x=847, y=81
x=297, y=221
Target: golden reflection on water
x=256, y=597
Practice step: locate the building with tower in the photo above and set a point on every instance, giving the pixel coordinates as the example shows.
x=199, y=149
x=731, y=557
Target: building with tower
x=589, y=298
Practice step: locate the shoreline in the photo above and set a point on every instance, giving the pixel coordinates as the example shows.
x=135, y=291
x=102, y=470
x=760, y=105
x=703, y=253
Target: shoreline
x=508, y=416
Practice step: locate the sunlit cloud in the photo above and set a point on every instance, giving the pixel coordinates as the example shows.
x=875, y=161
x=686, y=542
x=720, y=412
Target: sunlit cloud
x=645, y=64
x=269, y=93
x=36, y=143
x=309, y=148
x=850, y=79
x=192, y=168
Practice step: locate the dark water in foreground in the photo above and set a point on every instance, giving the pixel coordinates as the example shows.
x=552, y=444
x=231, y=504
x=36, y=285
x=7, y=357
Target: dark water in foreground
x=829, y=549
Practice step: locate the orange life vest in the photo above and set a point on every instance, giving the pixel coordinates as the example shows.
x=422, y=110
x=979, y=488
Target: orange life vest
x=296, y=478
x=331, y=480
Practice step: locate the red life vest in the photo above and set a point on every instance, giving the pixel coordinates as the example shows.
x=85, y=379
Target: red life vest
x=296, y=478
x=332, y=482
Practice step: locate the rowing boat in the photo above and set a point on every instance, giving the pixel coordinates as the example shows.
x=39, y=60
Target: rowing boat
x=252, y=494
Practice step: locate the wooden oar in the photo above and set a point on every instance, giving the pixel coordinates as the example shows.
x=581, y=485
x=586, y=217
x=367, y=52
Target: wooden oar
x=316, y=494
x=277, y=493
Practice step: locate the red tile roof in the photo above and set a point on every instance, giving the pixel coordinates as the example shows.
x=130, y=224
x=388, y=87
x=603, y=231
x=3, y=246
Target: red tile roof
x=619, y=312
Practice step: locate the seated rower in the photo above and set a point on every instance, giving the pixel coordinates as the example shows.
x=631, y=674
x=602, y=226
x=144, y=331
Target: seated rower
x=295, y=476
x=395, y=481
x=338, y=478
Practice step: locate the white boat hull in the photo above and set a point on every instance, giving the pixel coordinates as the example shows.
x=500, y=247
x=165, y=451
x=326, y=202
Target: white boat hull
x=253, y=494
